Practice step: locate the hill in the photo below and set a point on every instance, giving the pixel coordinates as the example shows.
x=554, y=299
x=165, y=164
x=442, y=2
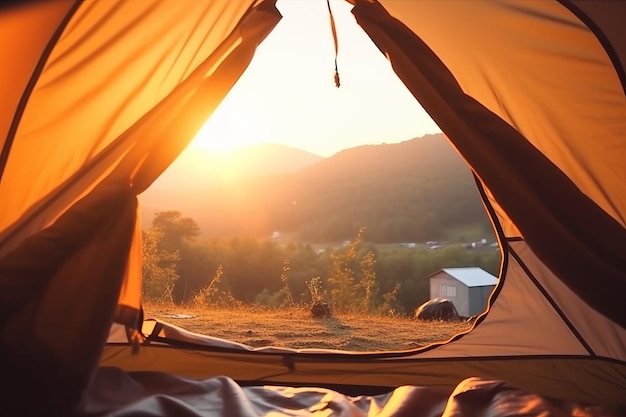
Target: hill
x=198, y=168
x=202, y=172
x=416, y=190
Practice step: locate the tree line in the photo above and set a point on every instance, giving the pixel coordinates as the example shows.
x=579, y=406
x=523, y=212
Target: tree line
x=181, y=268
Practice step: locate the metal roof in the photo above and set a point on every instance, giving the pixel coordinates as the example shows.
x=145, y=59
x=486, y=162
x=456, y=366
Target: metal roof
x=472, y=276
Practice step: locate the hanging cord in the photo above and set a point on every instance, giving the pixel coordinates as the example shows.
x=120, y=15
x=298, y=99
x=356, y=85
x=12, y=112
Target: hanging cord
x=334, y=30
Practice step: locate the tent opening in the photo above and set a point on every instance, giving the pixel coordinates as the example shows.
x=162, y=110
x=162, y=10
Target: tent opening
x=295, y=196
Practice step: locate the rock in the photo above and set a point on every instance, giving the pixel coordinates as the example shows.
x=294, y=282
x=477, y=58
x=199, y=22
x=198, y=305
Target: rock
x=320, y=309
x=437, y=309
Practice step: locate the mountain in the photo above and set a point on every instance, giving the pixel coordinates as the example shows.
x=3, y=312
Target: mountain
x=415, y=190
x=270, y=159
x=198, y=169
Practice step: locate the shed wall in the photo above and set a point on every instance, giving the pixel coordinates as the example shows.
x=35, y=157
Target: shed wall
x=478, y=297
x=460, y=298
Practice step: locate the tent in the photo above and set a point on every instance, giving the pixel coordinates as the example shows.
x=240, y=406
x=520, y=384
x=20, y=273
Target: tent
x=99, y=97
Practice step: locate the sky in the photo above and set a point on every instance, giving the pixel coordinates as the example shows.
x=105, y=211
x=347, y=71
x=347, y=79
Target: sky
x=288, y=95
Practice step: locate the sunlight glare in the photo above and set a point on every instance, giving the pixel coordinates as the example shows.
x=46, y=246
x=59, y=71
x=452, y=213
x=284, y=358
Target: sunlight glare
x=288, y=95
x=231, y=127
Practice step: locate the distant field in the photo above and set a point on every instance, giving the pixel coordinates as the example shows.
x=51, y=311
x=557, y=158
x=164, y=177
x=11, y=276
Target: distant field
x=458, y=235
x=296, y=328
x=469, y=233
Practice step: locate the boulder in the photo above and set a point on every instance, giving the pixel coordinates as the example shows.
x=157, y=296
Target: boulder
x=437, y=309
x=320, y=309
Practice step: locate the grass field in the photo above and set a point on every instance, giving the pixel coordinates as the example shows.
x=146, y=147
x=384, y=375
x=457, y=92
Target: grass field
x=296, y=328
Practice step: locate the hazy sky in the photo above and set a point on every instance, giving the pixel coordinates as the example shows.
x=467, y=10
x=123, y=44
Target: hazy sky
x=288, y=94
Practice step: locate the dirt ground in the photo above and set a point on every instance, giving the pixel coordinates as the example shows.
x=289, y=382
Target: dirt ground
x=297, y=328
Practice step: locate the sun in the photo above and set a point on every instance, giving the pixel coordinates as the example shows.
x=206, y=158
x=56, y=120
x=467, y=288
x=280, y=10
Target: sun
x=236, y=123
x=220, y=134
x=287, y=95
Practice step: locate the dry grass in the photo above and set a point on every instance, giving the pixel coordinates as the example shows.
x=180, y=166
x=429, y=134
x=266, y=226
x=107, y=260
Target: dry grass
x=296, y=328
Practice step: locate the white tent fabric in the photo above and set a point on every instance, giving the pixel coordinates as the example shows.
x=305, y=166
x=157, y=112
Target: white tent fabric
x=102, y=96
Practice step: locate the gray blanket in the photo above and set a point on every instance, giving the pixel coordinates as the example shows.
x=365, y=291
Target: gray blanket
x=114, y=392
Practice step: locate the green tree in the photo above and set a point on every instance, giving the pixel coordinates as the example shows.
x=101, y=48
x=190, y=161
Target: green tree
x=368, y=283
x=159, y=267
x=196, y=268
x=176, y=229
x=352, y=278
x=342, y=277
x=168, y=241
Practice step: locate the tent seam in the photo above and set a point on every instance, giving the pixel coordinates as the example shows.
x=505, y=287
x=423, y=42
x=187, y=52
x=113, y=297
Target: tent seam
x=21, y=107
x=504, y=252
x=601, y=37
x=350, y=356
x=550, y=300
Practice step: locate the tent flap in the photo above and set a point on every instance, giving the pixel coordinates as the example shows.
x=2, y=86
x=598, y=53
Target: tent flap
x=56, y=334
x=536, y=195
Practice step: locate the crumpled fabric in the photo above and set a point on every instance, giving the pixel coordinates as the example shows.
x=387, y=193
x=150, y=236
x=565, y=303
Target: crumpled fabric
x=116, y=393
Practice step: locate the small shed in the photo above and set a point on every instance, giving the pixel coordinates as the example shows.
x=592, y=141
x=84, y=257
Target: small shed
x=467, y=288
